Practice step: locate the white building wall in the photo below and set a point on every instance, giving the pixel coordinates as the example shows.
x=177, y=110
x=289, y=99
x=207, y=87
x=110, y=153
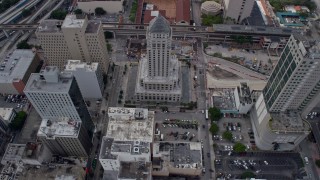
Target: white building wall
x=237, y=10
x=109, y=6
x=50, y=104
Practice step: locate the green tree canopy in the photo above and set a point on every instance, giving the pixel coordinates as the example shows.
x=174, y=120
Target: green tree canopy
x=209, y=20
x=78, y=11
x=26, y=12
x=214, y=129
x=239, y=147
x=18, y=121
x=214, y=113
x=23, y=45
x=227, y=135
x=100, y=11
x=247, y=174
x=108, y=35
x=59, y=14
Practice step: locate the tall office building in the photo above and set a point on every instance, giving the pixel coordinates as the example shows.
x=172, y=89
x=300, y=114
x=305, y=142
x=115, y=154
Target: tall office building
x=54, y=95
x=73, y=39
x=88, y=76
x=292, y=91
x=65, y=137
x=159, y=71
x=237, y=10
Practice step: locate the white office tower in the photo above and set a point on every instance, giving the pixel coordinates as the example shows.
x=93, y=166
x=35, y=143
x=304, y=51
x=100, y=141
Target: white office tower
x=65, y=137
x=54, y=95
x=73, y=39
x=126, y=149
x=237, y=10
x=292, y=91
x=88, y=76
x=159, y=70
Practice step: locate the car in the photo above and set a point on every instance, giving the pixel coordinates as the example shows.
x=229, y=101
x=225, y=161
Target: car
x=266, y=162
x=229, y=128
x=203, y=126
x=229, y=154
x=239, y=128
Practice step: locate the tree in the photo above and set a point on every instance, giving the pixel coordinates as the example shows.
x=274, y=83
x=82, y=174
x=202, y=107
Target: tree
x=100, y=11
x=239, y=147
x=18, y=121
x=78, y=11
x=214, y=129
x=318, y=163
x=59, y=14
x=227, y=135
x=247, y=174
x=26, y=12
x=215, y=113
x=209, y=20
x=23, y=45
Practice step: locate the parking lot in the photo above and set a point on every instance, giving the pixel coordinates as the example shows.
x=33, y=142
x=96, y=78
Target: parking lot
x=238, y=126
x=17, y=102
x=175, y=126
x=270, y=165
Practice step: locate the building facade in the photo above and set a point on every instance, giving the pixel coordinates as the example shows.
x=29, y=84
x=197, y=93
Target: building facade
x=237, y=10
x=54, y=95
x=292, y=91
x=159, y=71
x=111, y=7
x=73, y=39
x=89, y=78
x=15, y=70
x=65, y=137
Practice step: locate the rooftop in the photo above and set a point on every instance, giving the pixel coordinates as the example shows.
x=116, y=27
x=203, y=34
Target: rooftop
x=110, y=148
x=244, y=93
x=179, y=154
x=183, y=11
x=71, y=21
x=135, y=170
x=224, y=99
x=13, y=153
x=128, y=124
x=73, y=65
x=93, y=26
x=50, y=26
x=49, y=80
x=5, y=113
x=15, y=66
x=159, y=25
x=32, y=150
x=61, y=127
x=289, y=121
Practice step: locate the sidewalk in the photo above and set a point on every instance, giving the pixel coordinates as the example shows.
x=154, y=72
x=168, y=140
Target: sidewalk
x=213, y=157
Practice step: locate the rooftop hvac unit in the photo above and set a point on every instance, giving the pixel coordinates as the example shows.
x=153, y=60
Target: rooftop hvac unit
x=136, y=149
x=136, y=143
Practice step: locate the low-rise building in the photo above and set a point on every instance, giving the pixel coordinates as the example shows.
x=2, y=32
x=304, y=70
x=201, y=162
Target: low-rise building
x=65, y=137
x=126, y=148
x=12, y=171
x=6, y=116
x=88, y=76
x=243, y=100
x=15, y=70
x=111, y=7
x=179, y=158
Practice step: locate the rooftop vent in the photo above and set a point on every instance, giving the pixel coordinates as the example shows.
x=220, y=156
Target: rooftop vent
x=136, y=149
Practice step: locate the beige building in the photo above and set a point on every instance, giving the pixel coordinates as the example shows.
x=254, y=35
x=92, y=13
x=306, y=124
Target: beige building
x=73, y=39
x=111, y=6
x=159, y=71
x=237, y=10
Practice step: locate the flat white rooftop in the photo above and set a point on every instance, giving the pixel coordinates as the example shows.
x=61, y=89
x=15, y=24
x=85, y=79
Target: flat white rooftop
x=71, y=21
x=61, y=127
x=15, y=66
x=73, y=65
x=127, y=124
x=5, y=113
x=13, y=153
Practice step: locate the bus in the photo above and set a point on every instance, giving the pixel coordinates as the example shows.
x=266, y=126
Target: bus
x=207, y=116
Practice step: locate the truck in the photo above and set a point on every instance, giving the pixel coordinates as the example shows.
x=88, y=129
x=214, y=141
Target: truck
x=207, y=114
x=161, y=137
